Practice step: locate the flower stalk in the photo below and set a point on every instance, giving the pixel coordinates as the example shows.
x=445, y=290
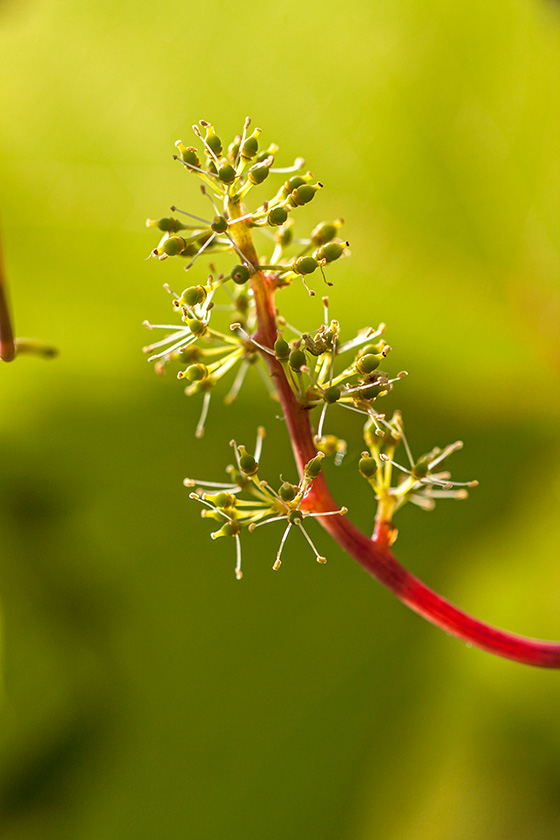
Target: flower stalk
x=303, y=375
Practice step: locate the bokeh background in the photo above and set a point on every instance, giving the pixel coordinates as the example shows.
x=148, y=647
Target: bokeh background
x=145, y=692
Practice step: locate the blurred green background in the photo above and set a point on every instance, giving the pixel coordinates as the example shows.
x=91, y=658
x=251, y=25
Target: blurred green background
x=146, y=693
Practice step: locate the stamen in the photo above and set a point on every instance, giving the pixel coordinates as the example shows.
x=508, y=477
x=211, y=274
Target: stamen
x=238, y=572
x=237, y=384
x=190, y=215
x=204, y=413
x=319, y=557
x=278, y=561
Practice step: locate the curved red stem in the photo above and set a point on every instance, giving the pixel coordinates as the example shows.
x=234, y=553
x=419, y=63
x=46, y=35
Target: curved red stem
x=373, y=555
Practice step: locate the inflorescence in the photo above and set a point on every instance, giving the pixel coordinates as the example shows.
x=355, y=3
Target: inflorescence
x=321, y=368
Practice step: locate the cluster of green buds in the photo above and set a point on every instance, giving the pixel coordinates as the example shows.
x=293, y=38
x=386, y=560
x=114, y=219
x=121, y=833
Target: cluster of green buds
x=249, y=502
x=321, y=366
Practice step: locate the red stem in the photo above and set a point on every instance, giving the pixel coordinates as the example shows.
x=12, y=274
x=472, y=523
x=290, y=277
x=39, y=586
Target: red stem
x=373, y=554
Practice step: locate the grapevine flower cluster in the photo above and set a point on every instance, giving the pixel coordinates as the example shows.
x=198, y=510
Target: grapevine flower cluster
x=316, y=370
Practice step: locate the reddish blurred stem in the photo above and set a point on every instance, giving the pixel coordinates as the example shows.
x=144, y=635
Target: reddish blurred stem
x=373, y=553
x=7, y=346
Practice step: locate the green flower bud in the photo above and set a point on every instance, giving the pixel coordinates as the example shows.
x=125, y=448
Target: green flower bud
x=219, y=225
x=332, y=394
x=240, y=274
x=285, y=234
x=211, y=167
x=325, y=232
x=226, y=173
x=295, y=517
x=169, y=225
x=330, y=252
x=294, y=182
x=247, y=463
x=233, y=149
x=212, y=139
x=287, y=491
x=259, y=172
x=251, y=145
x=196, y=326
x=297, y=359
x=194, y=373
x=367, y=466
x=221, y=500
x=230, y=529
x=370, y=392
x=281, y=349
x=368, y=363
x=313, y=467
x=173, y=246
x=422, y=467
x=277, y=216
x=303, y=194
x=193, y=295
x=188, y=155
x=304, y=265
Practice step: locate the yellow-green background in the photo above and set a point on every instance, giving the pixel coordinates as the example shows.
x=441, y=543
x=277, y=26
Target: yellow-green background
x=146, y=693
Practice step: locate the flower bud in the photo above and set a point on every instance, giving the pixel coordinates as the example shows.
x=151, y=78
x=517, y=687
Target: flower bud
x=277, y=216
x=260, y=171
x=192, y=296
x=247, y=463
x=304, y=265
x=287, y=491
x=226, y=173
x=194, y=373
x=212, y=139
x=240, y=274
x=330, y=252
x=219, y=225
x=303, y=194
x=169, y=225
x=313, y=467
x=281, y=349
x=325, y=232
x=195, y=326
x=332, y=394
x=297, y=359
x=188, y=154
x=230, y=529
x=368, y=363
x=251, y=145
x=367, y=465
x=285, y=234
x=172, y=246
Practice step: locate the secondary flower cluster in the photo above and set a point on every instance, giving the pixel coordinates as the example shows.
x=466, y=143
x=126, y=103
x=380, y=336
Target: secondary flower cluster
x=321, y=366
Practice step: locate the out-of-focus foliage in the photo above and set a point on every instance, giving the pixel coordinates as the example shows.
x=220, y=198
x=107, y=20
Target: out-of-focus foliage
x=146, y=692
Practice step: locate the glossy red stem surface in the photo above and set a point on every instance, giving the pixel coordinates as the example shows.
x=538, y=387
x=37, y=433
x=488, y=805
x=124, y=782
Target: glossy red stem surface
x=371, y=553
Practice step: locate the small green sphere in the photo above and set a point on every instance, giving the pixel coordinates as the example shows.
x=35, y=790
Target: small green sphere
x=305, y=265
x=332, y=394
x=250, y=147
x=219, y=225
x=226, y=173
x=281, y=349
x=297, y=359
x=277, y=216
x=331, y=251
x=314, y=466
x=195, y=326
x=367, y=363
x=240, y=274
x=193, y=295
x=259, y=173
x=367, y=466
x=248, y=464
x=287, y=491
x=173, y=246
x=196, y=373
